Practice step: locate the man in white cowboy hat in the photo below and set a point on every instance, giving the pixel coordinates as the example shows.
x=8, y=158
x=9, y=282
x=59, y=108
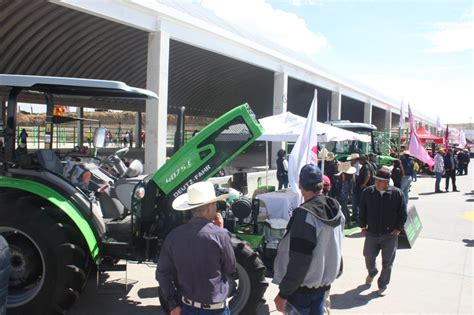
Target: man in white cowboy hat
x=382, y=217
x=197, y=256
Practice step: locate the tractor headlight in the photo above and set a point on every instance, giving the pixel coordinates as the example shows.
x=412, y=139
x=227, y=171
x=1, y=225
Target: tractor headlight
x=140, y=193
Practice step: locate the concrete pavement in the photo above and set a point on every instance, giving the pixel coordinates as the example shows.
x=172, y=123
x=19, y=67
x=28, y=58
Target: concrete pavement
x=435, y=276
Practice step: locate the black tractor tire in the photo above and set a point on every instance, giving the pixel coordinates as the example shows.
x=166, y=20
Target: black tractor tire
x=252, y=285
x=48, y=265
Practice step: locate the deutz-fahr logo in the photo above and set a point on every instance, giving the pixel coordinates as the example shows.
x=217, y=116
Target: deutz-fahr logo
x=194, y=179
x=178, y=171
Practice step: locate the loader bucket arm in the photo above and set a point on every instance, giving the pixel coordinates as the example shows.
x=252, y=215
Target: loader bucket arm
x=208, y=151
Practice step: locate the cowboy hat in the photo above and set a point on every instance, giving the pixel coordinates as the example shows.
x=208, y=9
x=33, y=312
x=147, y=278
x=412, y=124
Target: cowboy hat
x=406, y=152
x=346, y=168
x=198, y=194
x=383, y=173
x=353, y=156
x=330, y=156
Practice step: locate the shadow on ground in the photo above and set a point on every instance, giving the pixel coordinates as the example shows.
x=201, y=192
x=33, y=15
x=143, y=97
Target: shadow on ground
x=352, y=298
x=113, y=297
x=468, y=243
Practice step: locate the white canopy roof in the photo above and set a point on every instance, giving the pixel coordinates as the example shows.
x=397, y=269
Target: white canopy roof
x=288, y=126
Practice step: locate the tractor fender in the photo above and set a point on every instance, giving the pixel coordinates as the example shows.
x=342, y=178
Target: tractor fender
x=65, y=204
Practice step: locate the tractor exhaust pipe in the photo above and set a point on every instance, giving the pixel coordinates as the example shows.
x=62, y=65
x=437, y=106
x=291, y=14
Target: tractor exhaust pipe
x=179, y=134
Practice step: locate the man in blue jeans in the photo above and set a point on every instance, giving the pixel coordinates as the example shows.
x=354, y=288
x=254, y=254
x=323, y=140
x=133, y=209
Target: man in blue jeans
x=309, y=255
x=407, y=170
x=4, y=273
x=438, y=169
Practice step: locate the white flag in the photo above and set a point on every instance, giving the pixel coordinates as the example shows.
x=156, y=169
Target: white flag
x=306, y=147
x=438, y=124
x=401, y=124
x=462, y=139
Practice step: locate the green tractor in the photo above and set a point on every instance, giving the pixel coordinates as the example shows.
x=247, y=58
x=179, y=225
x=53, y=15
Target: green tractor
x=373, y=144
x=63, y=218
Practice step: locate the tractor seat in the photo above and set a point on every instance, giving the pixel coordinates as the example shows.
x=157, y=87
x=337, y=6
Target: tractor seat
x=49, y=160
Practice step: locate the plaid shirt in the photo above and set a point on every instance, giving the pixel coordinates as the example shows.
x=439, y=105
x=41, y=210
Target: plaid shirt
x=439, y=163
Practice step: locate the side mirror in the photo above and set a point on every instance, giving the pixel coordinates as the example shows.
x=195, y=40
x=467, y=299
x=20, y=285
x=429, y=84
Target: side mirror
x=99, y=137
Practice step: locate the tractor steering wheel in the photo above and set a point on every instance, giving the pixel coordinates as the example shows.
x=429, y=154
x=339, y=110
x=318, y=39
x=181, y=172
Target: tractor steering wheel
x=110, y=159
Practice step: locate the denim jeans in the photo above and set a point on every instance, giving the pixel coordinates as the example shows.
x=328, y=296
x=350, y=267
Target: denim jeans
x=405, y=187
x=188, y=310
x=305, y=304
x=355, y=205
x=438, y=181
x=283, y=182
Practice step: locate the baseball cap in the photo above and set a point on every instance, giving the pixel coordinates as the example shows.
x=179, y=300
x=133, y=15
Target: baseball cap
x=310, y=174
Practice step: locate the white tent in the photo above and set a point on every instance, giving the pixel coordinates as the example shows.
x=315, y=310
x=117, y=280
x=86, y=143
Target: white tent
x=288, y=126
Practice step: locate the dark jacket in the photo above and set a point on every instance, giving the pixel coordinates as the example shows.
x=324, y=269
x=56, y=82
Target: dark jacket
x=4, y=272
x=280, y=168
x=448, y=163
x=309, y=255
x=382, y=213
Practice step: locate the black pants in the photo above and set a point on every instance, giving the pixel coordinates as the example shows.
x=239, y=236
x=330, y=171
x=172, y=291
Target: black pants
x=451, y=174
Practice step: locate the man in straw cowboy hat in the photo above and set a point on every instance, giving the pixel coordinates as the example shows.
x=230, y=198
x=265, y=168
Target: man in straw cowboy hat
x=201, y=253
x=342, y=188
x=382, y=217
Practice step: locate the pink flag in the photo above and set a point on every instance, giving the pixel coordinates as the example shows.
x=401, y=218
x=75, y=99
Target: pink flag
x=416, y=147
x=418, y=151
x=411, y=119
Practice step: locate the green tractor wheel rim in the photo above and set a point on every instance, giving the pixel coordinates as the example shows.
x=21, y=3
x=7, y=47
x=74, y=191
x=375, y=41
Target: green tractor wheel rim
x=27, y=271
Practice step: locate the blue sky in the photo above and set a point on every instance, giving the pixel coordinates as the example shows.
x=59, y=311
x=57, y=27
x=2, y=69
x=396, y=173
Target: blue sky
x=420, y=50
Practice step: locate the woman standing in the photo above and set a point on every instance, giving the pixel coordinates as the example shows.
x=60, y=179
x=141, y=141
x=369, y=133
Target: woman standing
x=282, y=169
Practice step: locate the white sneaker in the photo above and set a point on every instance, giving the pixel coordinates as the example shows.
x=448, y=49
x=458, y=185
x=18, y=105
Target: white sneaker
x=368, y=280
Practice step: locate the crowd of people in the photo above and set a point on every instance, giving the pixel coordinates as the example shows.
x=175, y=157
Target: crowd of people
x=309, y=256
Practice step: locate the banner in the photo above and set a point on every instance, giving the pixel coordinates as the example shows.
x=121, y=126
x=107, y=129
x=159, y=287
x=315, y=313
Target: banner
x=306, y=147
x=401, y=123
x=415, y=146
x=462, y=139
x=446, y=137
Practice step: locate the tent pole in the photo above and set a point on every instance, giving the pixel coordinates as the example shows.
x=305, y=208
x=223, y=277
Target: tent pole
x=266, y=164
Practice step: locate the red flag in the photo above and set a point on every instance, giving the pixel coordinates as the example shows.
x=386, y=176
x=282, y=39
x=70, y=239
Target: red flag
x=446, y=137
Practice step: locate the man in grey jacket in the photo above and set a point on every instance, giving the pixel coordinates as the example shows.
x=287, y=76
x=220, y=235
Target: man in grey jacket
x=309, y=255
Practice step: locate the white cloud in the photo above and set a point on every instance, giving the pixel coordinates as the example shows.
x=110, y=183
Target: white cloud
x=451, y=102
x=258, y=17
x=453, y=37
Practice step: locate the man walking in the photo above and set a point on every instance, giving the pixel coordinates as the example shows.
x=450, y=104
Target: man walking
x=309, y=255
x=438, y=169
x=197, y=256
x=450, y=168
x=382, y=217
